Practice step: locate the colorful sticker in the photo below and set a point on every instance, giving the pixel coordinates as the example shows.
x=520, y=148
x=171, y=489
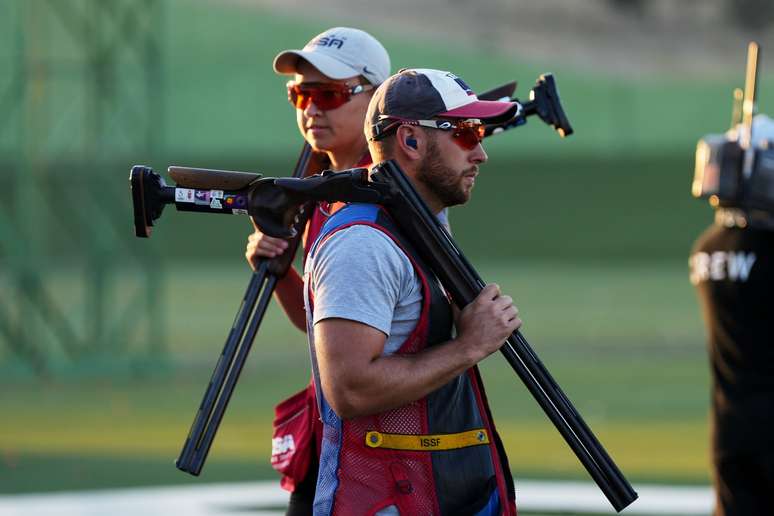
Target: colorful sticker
x=202, y=197
x=235, y=201
x=184, y=195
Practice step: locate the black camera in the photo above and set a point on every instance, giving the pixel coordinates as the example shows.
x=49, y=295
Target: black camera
x=720, y=169
x=736, y=169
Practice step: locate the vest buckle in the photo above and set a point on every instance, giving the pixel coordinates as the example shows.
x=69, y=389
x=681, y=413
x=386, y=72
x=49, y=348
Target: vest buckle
x=404, y=486
x=402, y=482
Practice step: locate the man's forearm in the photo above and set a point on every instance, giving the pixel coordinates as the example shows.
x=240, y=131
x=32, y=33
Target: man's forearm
x=387, y=382
x=397, y=380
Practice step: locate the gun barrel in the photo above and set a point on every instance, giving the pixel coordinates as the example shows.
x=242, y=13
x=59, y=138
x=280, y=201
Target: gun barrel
x=463, y=283
x=568, y=422
x=242, y=334
x=195, y=449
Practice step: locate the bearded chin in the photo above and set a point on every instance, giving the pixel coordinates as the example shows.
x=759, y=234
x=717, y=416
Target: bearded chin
x=444, y=182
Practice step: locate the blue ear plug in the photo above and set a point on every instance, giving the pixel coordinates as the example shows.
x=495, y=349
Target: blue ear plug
x=411, y=142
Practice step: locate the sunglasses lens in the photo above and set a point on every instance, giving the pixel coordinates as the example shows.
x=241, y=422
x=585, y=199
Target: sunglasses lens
x=297, y=98
x=468, y=137
x=325, y=98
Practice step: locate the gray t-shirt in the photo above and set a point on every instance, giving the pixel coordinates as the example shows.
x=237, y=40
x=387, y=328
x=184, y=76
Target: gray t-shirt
x=360, y=274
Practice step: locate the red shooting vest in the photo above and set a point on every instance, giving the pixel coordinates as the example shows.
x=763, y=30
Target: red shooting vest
x=297, y=429
x=438, y=455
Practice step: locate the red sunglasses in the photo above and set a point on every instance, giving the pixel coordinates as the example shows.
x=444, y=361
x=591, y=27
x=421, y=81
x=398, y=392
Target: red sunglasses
x=465, y=133
x=324, y=95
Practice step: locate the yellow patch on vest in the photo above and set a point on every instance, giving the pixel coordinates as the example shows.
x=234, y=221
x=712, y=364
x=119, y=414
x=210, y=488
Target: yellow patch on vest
x=430, y=442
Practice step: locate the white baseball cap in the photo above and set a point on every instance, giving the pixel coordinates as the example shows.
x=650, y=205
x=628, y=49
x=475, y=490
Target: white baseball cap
x=340, y=53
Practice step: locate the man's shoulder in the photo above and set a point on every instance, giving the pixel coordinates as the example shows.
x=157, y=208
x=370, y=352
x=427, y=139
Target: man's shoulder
x=354, y=237
x=353, y=212
x=713, y=237
x=360, y=240
x=350, y=215
x=359, y=257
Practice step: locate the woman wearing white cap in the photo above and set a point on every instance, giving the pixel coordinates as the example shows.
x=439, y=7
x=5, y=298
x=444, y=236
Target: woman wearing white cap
x=335, y=75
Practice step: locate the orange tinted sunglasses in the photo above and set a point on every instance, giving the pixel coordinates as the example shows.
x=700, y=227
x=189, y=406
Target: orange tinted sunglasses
x=465, y=133
x=324, y=95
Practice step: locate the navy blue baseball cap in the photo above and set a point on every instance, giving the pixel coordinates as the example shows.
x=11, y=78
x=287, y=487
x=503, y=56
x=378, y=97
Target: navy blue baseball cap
x=423, y=94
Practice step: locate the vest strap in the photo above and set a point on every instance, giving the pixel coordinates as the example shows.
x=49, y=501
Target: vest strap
x=427, y=442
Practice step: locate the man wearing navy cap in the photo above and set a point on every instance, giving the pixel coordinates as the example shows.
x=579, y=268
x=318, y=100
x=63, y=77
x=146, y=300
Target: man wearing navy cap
x=406, y=426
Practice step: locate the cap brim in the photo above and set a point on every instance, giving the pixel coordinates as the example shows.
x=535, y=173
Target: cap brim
x=287, y=63
x=487, y=110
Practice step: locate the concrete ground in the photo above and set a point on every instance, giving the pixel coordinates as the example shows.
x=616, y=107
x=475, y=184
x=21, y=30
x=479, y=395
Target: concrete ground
x=266, y=498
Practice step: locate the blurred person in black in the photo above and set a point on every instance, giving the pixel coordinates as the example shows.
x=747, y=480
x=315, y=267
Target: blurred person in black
x=732, y=268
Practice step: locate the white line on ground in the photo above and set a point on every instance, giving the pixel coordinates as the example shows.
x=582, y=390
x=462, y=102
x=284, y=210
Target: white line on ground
x=585, y=497
x=266, y=498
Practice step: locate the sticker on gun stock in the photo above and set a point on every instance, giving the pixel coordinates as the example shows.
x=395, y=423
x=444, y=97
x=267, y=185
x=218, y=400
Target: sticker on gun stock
x=202, y=197
x=185, y=195
x=236, y=203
